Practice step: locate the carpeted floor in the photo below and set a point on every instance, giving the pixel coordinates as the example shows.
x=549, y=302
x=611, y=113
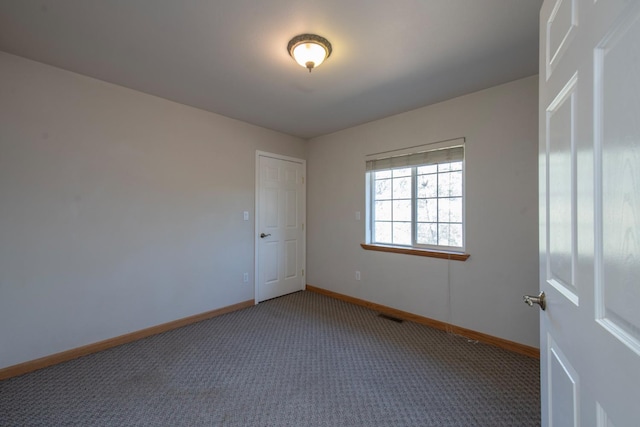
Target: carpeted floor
x=299, y=360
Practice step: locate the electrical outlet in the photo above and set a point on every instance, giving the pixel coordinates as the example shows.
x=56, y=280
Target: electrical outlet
x=245, y=277
x=357, y=275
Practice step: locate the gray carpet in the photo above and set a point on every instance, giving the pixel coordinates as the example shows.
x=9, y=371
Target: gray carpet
x=300, y=360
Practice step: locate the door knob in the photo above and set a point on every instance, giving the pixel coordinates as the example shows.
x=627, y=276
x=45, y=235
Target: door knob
x=262, y=235
x=540, y=300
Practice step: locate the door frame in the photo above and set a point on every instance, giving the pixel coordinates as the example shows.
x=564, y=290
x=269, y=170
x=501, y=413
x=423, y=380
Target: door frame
x=256, y=217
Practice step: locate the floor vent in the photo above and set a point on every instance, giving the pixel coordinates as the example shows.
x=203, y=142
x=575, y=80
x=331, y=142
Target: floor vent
x=386, y=316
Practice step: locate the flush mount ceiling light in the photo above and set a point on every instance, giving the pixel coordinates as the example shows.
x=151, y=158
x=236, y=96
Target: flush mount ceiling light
x=309, y=50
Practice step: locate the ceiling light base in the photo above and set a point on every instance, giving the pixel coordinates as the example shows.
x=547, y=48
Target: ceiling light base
x=309, y=50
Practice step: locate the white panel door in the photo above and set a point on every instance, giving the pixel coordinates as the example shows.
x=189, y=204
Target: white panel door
x=280, y=214
x=590, y=212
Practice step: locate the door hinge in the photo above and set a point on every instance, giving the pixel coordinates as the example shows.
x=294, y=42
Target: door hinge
x=303, y=226
x=303, y=179
x=303, y=271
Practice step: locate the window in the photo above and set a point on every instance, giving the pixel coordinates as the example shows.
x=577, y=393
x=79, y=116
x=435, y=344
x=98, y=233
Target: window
x=416, y=200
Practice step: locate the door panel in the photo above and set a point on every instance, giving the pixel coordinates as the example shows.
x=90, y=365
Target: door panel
x=291, y=258
x=559, y=31
x=270, y=210
x=590, y=212
x=561, y=252
x=563, y=388
x=269, y=261
x=618, y=87
x=280, y=218
x=291, y=209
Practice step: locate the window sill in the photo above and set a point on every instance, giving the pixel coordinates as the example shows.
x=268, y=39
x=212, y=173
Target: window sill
x=419, y=252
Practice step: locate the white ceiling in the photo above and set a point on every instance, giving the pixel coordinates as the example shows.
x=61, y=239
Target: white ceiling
x=230, y=57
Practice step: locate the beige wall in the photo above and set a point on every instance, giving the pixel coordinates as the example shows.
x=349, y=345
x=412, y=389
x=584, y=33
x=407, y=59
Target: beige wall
x=118, y=210
x=485, y=292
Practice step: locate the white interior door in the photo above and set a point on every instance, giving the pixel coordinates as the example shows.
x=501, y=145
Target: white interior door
x=590, y=212
x=280, y=213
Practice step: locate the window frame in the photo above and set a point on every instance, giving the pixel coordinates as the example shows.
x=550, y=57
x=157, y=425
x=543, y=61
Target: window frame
x=415, y=248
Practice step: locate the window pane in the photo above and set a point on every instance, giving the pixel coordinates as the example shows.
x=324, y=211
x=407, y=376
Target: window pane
x=402, y=233
x=455, y=234
x=402, y=188
x=383, y=189
x=450, y=234
x=427, y=185
x=456, y=166
x=427, y=234
x=427, y=210
x=450, y=184
x=455, y=209
x=402, y=210
x=444, y=180
x=401, y=172
x=383, y=211
x=444, y=167
x=455, y=184
x=450, y=210
x=427, y=169
x=443, y=234
x=420, y=204
x=382, y=232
